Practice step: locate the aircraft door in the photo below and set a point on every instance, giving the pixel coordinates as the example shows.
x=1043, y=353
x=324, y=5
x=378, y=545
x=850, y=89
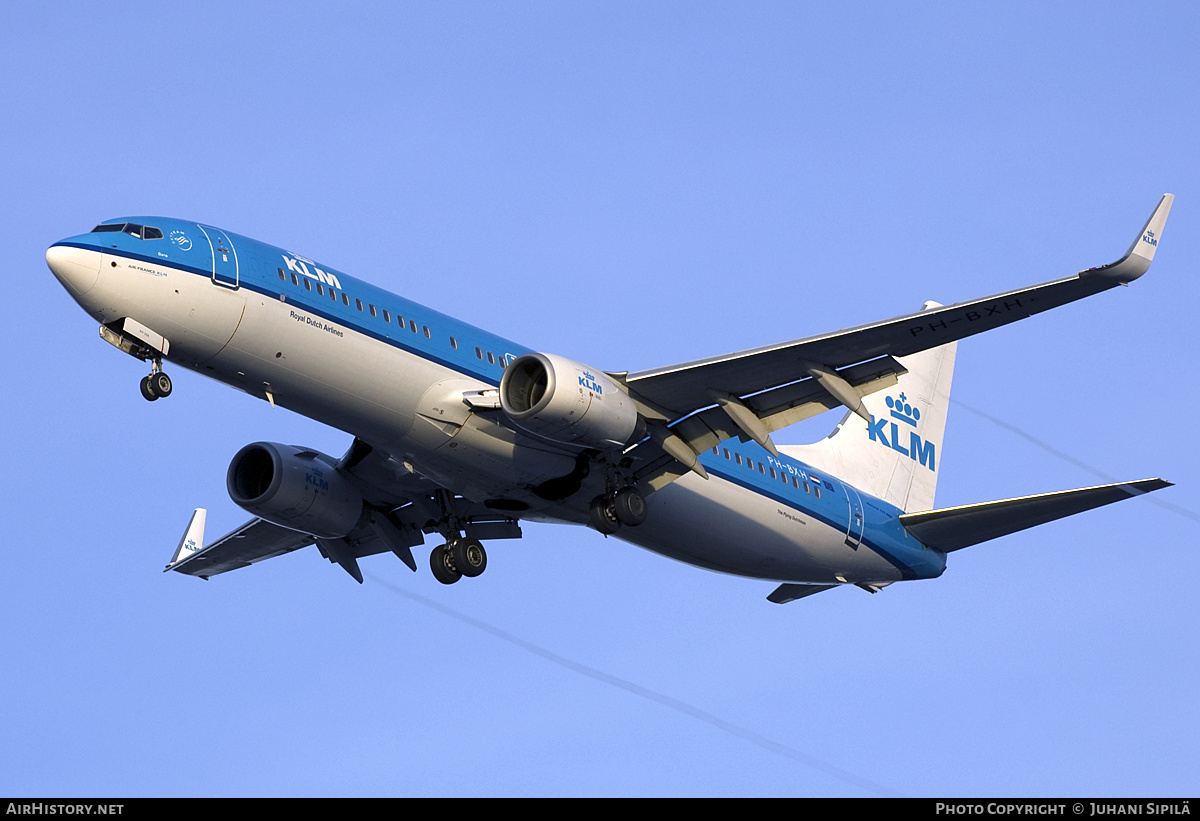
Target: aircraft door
x=857, y=517
x=224, y=256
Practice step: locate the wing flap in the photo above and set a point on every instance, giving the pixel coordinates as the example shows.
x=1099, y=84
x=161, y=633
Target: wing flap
x=776, y=408
x=954, y=528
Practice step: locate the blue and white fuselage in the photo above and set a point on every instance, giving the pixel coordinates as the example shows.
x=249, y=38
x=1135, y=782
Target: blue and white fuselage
x=422, y=392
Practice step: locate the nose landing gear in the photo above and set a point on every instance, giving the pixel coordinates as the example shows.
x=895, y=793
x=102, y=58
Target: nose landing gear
x=157, y=385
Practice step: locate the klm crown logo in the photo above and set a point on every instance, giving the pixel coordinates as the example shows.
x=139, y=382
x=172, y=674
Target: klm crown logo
x=887, y=433
x=1149, y=237
x=903, y=411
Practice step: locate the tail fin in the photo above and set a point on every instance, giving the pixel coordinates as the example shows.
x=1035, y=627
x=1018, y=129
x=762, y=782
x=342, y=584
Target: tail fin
x=897, y=456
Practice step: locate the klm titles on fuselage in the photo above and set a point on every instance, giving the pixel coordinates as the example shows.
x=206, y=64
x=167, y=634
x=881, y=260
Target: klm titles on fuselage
x=300, y=265
x=316, y=323
x=887, y=433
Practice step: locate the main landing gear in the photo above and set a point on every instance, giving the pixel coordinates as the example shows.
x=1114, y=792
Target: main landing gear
x=157, y=385
x=625, y=507
x=457, y=558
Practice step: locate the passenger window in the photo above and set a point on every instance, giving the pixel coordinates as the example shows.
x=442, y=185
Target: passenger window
x=478, y=353
x=295, y=279
x=320, y=289
x=333, y=294
x=358, y=304
x=726, y=453
x=737, y=457
x=373, y=311
x=282, y=276
x=386, y=316
x=491, y=358
x=345, y=299
x=454, y=343
x=412, y=325
x=762, y=469
x=307, y=284
x=426, y=330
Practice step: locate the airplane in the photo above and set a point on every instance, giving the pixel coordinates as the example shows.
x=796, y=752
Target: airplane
x=463, y=434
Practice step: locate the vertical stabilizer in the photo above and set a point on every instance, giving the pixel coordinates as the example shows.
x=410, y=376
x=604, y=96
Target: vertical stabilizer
x=896, y=456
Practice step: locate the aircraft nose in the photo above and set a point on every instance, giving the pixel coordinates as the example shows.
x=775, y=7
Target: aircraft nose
x=76, y=268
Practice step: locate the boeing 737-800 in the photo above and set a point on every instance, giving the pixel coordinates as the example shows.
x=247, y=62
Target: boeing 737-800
x=460, y=433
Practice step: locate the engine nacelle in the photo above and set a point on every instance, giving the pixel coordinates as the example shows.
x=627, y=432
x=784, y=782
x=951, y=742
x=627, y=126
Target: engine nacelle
x=567, y=402
x=294, y=488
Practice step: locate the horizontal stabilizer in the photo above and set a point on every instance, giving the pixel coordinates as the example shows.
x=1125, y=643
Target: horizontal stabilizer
x=790, y=592
x=954, y=528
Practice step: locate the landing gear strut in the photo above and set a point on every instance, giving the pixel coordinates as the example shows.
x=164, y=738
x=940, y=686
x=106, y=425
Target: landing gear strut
x=157, y=385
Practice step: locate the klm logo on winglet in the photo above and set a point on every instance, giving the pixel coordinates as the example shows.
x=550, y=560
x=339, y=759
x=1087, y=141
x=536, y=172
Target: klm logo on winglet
x=190, y=545
x=588, y=381
x=1149, y=237
x=886, y=431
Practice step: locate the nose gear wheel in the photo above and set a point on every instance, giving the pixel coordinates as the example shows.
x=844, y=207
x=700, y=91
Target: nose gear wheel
x=157, y=385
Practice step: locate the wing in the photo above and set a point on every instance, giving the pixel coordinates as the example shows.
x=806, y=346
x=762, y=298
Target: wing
x=401, y=507
x=254, y=541
x=761, y=390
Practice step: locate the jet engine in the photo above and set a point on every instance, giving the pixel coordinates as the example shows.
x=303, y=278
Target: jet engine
x=568, y=402
x=294, y=488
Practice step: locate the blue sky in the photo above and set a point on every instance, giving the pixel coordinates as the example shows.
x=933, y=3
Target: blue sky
x=630, y=185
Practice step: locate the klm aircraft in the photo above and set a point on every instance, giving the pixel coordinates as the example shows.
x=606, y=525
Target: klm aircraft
x=460, y=433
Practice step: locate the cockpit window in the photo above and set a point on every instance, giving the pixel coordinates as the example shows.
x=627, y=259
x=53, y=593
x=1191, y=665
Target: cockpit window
x=134, y=230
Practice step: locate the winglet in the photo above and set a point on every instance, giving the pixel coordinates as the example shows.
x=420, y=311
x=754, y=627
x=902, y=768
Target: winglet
x=192, y=541
x=1139, y=256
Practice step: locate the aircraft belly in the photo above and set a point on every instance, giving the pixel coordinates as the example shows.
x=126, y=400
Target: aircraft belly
x=721, y=526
